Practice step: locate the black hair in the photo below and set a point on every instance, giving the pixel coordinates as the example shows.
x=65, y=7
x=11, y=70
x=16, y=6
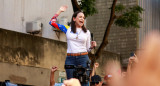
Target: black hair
x=73, y=26
x=96, y=78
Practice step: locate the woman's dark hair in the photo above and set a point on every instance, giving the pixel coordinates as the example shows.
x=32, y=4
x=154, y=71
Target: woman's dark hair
x=73, y=26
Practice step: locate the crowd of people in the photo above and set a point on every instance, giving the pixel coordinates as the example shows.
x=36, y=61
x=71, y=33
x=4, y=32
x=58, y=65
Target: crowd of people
x=143, y=67
x=96, y=80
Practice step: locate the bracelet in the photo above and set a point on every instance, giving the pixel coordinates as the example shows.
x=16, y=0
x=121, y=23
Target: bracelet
x=91, y=48
x=56, y=15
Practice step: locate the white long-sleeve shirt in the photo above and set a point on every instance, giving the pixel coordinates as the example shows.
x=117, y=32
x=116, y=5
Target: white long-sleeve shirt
x=78, y=42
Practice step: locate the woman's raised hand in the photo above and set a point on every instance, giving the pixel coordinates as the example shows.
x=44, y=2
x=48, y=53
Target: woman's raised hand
x=63, y=8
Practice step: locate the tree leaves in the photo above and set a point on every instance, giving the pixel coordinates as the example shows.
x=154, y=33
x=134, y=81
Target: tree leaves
x=130, y=17
x=88, y=7
x=119, y=8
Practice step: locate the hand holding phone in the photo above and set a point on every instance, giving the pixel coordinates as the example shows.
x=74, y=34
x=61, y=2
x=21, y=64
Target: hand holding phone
x=132, y=54
x=133, y=58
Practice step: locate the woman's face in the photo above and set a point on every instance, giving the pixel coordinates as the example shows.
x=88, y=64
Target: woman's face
x=79, y=20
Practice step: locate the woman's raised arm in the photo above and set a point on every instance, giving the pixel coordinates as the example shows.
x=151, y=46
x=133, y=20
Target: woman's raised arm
x=54, y=19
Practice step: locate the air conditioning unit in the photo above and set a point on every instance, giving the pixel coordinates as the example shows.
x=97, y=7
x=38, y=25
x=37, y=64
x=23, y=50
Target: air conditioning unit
x=33, y=27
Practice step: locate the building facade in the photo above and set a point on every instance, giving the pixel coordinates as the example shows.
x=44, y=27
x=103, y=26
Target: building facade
x=150, y=16
x=15, y=14
x=121, y=40
x=27, y=58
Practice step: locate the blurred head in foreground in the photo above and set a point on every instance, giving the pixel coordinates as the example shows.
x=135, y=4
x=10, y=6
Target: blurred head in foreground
x=112, y=73
x=147, y=70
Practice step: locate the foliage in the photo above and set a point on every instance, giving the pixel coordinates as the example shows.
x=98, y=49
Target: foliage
x=119, y=8
x=130, y=17
x=88, y=7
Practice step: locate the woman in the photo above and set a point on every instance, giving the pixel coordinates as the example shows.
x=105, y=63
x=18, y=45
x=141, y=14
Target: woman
x=78, y=40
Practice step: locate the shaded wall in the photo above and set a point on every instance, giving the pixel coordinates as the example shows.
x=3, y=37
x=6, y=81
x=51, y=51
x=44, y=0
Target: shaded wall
x=25, y=75
x=24, y=49
x=27, y=59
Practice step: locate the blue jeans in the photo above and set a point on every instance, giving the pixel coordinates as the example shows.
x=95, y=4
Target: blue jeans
x=77, y=60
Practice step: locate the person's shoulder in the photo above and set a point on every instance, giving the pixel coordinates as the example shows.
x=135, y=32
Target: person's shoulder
x=67, y=26
x=69, y=29
x=88, y=32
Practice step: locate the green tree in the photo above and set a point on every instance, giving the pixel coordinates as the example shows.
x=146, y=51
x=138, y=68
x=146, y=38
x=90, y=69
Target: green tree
x=120, y=15
x=87, y=6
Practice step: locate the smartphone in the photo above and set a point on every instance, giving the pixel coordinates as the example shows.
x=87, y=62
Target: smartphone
x=131, y=54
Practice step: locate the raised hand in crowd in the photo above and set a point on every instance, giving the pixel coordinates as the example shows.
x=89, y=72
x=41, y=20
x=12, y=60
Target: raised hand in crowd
x=52, y=81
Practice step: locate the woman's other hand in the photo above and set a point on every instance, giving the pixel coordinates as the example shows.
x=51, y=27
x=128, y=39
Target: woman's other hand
x=93, y=44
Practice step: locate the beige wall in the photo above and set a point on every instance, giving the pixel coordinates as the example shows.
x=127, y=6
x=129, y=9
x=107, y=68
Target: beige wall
x=14, y=14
